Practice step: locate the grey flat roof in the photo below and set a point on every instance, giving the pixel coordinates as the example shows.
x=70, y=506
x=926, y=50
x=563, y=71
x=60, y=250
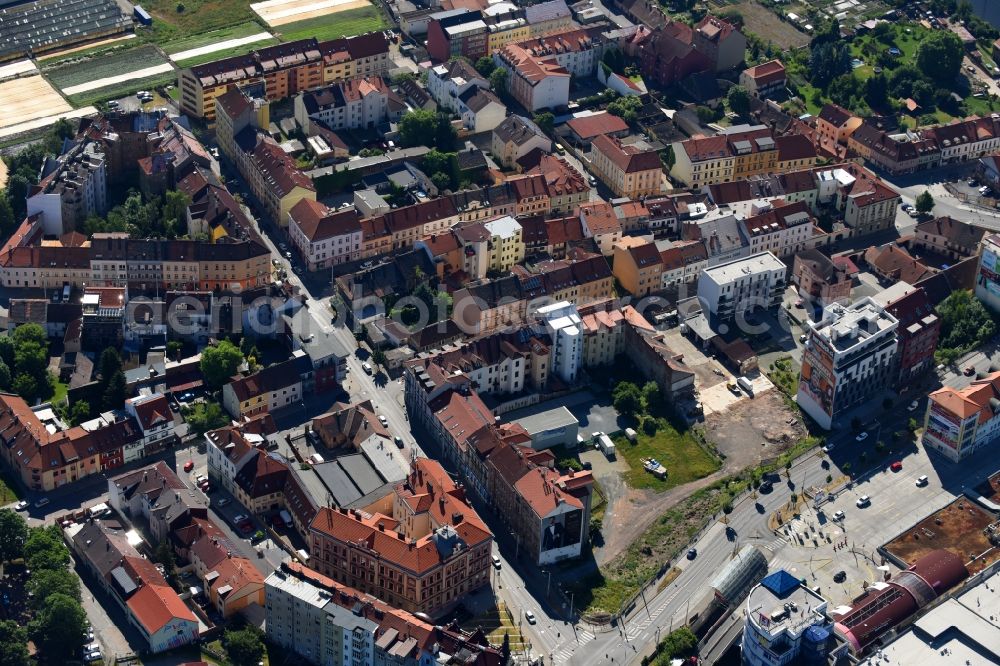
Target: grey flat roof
x=560, y=417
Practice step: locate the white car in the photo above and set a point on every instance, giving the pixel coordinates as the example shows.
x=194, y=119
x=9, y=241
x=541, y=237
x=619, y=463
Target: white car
x=496, y=562
x=529, y=616
x=838, y=516
x=828, y=448
x=367, y=367
x=913, y=405
x=862, y=436
x=863, y=501
x=381, y=419
x=21, y=506
x=921, y=481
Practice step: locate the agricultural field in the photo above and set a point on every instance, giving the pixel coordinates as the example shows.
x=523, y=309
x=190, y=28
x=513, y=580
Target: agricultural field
x=203, y=39
x=346, y=23
x=29, y=98
x=280, y=12
x=226, y=53
x=198, y=16
x=86, y=70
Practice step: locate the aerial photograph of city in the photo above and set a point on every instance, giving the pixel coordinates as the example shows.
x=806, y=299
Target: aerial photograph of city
x=500, y=332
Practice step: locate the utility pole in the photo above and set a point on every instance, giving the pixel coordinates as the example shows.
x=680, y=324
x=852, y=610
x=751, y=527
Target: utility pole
x=642, y=593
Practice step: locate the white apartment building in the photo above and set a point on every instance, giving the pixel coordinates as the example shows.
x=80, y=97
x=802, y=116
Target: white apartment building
x=563, y=323
x=324, y=238
x=359, y=103
x=506, y=243
x=728, y=291
x=850, y=357
x=449, y=81
x=783, y=231
x=779, y=613
x=152, y=413
x=74, y=188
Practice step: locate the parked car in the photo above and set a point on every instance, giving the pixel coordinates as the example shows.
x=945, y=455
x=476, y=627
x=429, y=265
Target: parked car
x=921, y=481
x=399, y=441
x=224, y=501
x=496, y=562
x=381, y=419
x=367, y=367
x=840, y=577
x=42, y=502
x=21, y=506
x=240, y=518
x=913, y=405
x=862, y=436
x=896, y=466
x=692, y=553
x=864, y=501
x=969, y=370
x=529, y=616
x=189, y=465
x=838, y=516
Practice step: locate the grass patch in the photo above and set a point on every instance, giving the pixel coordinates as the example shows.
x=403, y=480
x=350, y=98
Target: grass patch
x=7, y=492
x=59, y=397
x=342, y=24
x=226, y=53
x=120, y=90
x=199, y=16
x=92, y=69
x=213, y=37
x=681, y=453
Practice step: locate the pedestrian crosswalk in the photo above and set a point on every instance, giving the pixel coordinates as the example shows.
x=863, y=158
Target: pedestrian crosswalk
x=775, y=544
x=563, y=655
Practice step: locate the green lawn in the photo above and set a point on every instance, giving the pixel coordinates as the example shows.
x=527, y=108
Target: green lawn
x=213, y=37
x=198, y=16
x=682, y=455
x=8, y=493
x=341, y=24
x=60, y=395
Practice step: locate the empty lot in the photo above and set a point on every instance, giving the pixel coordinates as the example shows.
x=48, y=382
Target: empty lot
x=280, y=12
x=766, y=25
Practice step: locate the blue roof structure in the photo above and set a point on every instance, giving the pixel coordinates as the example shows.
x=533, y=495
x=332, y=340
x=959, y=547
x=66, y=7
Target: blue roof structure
x=780, y=583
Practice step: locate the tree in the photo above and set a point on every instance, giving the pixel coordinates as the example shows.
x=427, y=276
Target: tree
x=877, y=91
x=422, y=127
x=165, y=556
x=111, y=364
x=244, y=646
x=206, y=416
x=5, y=376
x=828, y=61
x=7, y=350
x=626, y=108
x=79, y=412
x=939, y=56
x=545, y=121
x=114, y=394
x=651, y=396
x=26, y=386
x=44, y=583
x=174, y=348
x=7, y=219
x=739, y=100
x=13, y=644
x=965, y=323
x=220, y=362
x=627, y=398
x=17, y=194
x=925, y=202
x=44, y=549
x=498, y=80
x=13, y=534
x=58, y=628
x=485, y=66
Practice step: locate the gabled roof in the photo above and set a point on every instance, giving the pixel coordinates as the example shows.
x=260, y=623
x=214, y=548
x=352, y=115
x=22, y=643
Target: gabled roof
x=628, y=158
x=155, y=605
x=588, y=127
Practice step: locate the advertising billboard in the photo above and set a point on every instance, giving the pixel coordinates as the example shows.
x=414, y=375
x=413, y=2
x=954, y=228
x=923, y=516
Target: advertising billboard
x=562, y=530
x=988, y=276
x=817, y=379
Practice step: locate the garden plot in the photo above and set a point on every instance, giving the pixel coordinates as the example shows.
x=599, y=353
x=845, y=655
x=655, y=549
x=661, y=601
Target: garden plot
x=28, y=99
x=105, y=71
x=280, y=12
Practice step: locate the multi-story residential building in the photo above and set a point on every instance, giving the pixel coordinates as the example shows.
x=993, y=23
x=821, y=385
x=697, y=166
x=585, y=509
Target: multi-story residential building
x=630, y=170
x=822, y=281
x=323, y=237
x=356, y=104
x=918, y=331
x=587, y=128
x=835, y=125
x=577, y=50
x=906, y=152
x=515, y=137
x=272, y=174
x=496, y=364
x=72, y=188
x=736, y=153
x=598, y=221
x=422, y=548
x=506, y=243
x=535, y=82
x=604, y=333
x=638, y=267
x=960, y=422
x=268, y=389
x=765, y=79
x=850, y=356
x=675, y=50
x=783, y=617
x=284, y=69
x=156, y=422
x=450, y=80
x=988, y=274
x=481, y=110
x=783, y=229
x=228, y=448
x=729, y=291
x=563, y=324
x=329, y=624
x=948, y=238
x=457, y=32
x=564, y=185
x=548, y=17
x=683, y=262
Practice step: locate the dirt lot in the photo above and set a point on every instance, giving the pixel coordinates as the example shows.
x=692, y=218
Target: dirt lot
x=766, y=25
x=29, y=98
x=765, y=419
x=958, y=527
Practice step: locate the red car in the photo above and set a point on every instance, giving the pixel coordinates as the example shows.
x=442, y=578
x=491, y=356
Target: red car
x=189, y=465
x=896, y=466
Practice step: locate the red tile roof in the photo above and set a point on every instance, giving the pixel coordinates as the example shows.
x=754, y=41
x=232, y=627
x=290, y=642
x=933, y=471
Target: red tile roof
x=155, y=605
x=587, y=127
x=630, y=158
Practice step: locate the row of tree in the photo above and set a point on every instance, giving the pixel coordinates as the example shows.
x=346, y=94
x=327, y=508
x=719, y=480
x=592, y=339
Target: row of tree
x=24, y=363
x=58, y=621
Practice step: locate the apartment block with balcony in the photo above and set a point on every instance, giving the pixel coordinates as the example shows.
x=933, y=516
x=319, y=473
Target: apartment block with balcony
x=729, y=292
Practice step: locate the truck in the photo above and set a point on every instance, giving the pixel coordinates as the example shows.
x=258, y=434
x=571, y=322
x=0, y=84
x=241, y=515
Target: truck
x=605, y=444
x=745, y=384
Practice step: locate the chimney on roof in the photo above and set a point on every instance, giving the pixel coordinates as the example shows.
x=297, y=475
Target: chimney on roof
x=441, y=503
x=381, y=526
